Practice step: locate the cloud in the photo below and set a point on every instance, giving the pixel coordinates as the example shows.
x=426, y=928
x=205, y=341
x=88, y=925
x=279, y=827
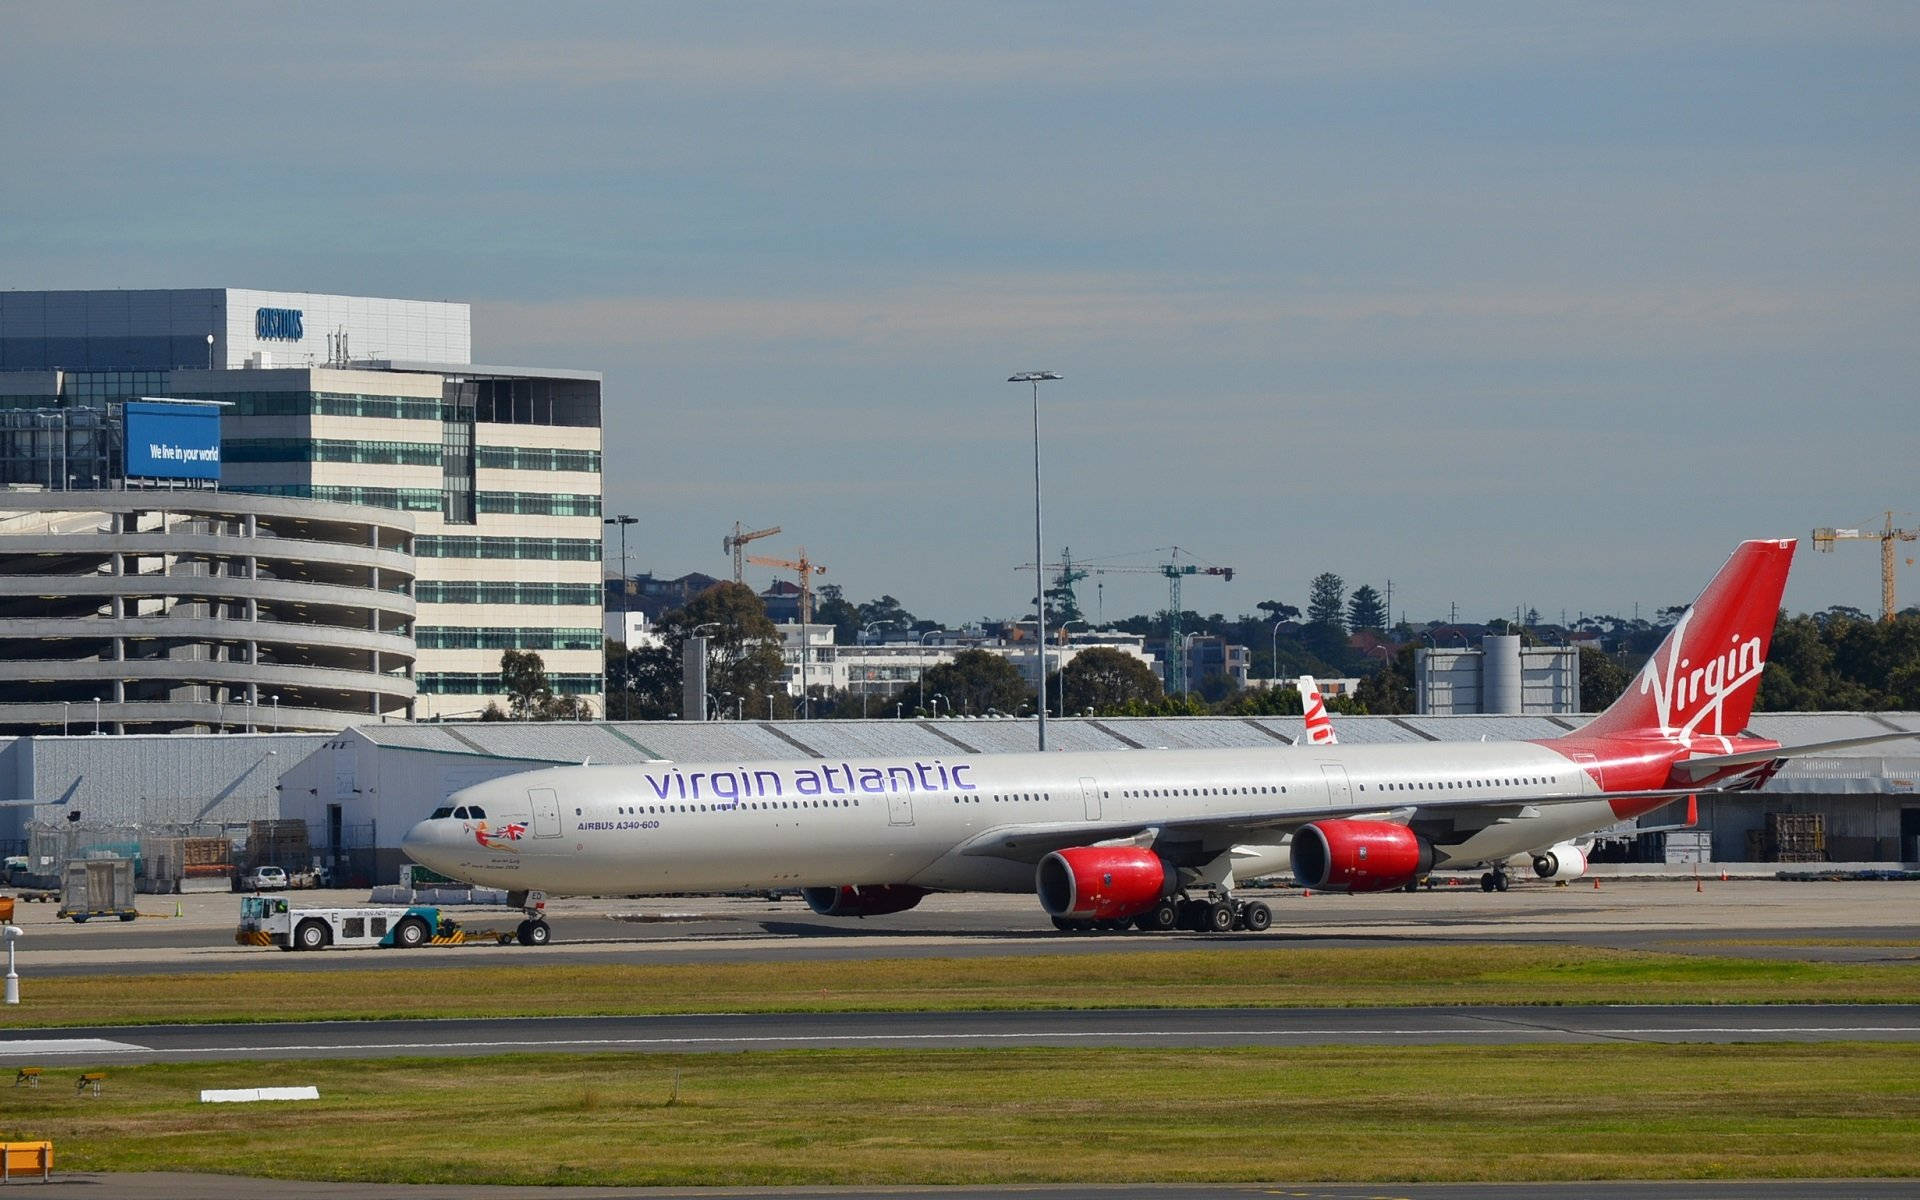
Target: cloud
x=908, y=321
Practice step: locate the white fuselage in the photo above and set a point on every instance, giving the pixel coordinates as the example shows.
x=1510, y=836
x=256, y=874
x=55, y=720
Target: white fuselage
x=683, y=827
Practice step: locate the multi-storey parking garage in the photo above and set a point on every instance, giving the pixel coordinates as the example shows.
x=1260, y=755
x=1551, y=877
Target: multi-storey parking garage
x=163, y=611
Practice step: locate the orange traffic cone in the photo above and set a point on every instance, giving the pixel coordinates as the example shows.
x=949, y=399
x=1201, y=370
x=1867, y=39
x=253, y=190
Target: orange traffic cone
x=1697, y=887
x=1306, y=891
x=1596, y=883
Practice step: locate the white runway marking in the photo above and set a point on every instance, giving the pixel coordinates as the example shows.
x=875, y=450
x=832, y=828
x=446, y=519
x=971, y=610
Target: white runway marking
x=14, y=1047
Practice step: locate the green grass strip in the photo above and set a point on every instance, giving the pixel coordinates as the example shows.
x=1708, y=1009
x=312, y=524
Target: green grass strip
x=1225, y=977
x=1016, y=1116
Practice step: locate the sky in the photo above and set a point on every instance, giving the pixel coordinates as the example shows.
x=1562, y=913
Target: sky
x=1528, y=305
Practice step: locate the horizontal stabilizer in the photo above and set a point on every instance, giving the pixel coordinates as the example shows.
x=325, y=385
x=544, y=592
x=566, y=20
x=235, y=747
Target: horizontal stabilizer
x=1707, y=766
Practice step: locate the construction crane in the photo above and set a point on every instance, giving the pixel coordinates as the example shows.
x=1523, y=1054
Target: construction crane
x=735, y=544
x=1175, y=571
x=805, y=568
x=1823, y=539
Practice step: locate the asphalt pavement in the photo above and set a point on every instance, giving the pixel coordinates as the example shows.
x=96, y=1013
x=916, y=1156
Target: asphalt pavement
x=1134, y=1028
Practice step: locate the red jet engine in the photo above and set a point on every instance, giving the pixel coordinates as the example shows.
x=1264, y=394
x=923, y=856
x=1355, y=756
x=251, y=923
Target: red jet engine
x=875, y=901
x=1359, y=856
x=1102, y=883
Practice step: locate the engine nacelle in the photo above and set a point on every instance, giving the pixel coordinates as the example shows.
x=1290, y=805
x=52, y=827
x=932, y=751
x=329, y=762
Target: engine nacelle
x=1565, y=861
x=1102, y=883
x=1359, y=856
x=873, y=901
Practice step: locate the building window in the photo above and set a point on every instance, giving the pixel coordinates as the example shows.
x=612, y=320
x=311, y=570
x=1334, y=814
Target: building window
x=553, y=549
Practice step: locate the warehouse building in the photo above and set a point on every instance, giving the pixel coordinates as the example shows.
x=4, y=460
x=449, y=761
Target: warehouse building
x=339, y=403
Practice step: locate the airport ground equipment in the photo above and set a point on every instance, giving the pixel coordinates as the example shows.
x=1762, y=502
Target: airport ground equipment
x=98, y=887
x=277, y=921
x=24, y=1158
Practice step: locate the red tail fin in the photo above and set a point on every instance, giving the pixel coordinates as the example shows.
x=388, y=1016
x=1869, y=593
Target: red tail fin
x=1703, y=678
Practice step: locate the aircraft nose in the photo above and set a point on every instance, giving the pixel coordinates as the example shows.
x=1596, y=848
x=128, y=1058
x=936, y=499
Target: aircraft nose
x=421, y=842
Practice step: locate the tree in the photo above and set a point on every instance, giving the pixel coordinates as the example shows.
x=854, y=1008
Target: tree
x=1326, y=601
x=523, y=677
x=886, y=610
x=1276, y=611
x=1365, y=609
x=831, y=607
x=1388, y=691
x=1602, y=679
x=1107, y=680
x=744, y=654
x=976, y=681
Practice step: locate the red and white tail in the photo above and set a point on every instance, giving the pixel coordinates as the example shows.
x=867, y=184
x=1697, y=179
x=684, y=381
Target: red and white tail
x=1703, y=678
x=1319, y=724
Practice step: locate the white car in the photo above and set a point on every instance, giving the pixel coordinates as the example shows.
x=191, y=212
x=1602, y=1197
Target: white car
x=264, y=879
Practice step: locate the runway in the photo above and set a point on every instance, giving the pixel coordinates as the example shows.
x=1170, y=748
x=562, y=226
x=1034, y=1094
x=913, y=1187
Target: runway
x=1130, y=1028
x=1821, y=921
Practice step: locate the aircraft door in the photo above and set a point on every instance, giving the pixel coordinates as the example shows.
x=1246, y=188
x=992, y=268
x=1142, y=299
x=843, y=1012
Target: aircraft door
x=546, y=812
x=1592, y=767
x=1339, y=787
x=900, y=808
x=1090, y=793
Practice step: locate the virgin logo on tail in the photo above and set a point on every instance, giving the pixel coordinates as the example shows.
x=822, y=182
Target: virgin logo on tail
x=1319, y=724
x=1678, y=685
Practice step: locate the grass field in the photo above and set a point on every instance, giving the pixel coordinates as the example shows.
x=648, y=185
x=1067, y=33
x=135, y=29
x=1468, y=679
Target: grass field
x=1453, y=974
x=858, y=1117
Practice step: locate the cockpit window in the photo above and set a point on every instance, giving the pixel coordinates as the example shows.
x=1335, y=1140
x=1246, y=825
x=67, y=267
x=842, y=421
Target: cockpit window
x=462, y=812
x=440, y=813
x=476, y=812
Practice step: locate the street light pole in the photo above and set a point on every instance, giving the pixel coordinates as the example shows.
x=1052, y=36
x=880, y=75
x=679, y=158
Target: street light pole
x=1039, y=571
x=622, y=520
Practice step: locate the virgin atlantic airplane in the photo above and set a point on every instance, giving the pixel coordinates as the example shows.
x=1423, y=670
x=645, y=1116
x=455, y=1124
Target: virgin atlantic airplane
x=1152, y=839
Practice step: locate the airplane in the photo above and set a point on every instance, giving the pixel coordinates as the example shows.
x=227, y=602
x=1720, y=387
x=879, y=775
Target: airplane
x=1149, y=839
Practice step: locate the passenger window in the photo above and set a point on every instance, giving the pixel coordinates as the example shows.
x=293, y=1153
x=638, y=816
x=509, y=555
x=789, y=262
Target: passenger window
x=379, y=927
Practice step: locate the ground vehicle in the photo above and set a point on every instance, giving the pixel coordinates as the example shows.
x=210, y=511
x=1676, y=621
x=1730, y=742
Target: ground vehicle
x=264, y=879
x=98, y=887
x=277, y=921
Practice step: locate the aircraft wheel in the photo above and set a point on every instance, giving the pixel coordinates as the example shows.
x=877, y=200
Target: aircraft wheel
x=410, y=933
x=1071, y=925
x=1500, y=881
x=1486, y=882
x=539, y=933
x=1219, y=917
x=1412, y=885
x=1258, y=916
x=1162, y=917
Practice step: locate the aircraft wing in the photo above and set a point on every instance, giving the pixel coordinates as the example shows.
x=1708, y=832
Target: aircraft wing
x=1707, y=766
x=1031, y=843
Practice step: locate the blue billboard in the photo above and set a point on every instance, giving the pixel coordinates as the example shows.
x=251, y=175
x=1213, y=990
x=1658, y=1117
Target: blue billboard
x=173, y=439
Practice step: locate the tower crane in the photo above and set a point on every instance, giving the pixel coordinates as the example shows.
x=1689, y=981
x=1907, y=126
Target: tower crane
x=735, y=544
x=806, y=569
x=1823, y=539
x=1175, y=571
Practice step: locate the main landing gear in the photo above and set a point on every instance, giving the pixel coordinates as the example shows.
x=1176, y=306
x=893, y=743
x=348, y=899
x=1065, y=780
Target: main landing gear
x=1496, y=880
x=1217, y=914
